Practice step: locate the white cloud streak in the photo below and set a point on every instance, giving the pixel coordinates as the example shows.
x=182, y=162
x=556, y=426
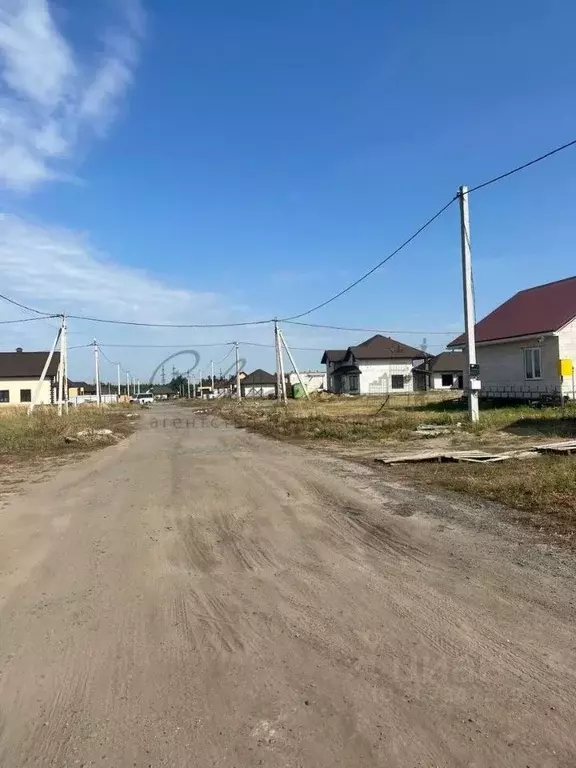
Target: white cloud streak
x=49, y=97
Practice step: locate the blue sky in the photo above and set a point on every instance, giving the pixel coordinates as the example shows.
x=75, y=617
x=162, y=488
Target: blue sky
x=215, y=162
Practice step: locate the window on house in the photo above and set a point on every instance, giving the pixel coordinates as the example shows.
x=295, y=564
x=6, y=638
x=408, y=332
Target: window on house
x=397, y=381
x=25, y=395
x=447, y=379
x=353, y=382
x=4, y=395
x=533, y=363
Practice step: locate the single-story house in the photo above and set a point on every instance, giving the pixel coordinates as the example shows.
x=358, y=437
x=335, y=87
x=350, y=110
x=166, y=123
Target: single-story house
x=259, y=383
x=444, y=371
x=519, y=344
x=79, y=388
x=19, y=375
x=379, y=365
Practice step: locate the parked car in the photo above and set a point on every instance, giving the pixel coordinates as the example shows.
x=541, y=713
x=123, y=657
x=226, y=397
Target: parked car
x=145, y=398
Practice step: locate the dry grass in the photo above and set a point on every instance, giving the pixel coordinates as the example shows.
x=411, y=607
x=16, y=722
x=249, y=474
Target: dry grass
x=543, y=490
x=44, y=433
x=372, y=419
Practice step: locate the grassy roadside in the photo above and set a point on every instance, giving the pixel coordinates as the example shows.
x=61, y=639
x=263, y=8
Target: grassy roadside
x=44, y=433
x=354, y=419
x=543, y=490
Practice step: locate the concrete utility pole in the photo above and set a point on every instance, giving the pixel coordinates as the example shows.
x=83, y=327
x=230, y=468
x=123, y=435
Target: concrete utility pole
x=128, y=383
x=97, y=372
x=212, y=372
x=296, y=371
x=282, y=375
x=188, y=382
x=61, y=370
x=118, y=379
x=469, y=312
x=238, y=389
x=38, y=389
x=278, y=363
x=65, y=332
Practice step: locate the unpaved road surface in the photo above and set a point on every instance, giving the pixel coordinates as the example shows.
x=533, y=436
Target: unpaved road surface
x=200, y=596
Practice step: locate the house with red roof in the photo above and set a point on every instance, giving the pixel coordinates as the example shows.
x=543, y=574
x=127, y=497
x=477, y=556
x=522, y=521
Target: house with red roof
x=519, y=344
x=380, y=365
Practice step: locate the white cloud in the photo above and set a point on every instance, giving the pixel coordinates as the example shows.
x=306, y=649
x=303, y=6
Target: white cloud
x=58, y=270
x=50, y=97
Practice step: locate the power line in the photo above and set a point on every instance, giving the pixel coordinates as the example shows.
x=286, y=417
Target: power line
x=24, y=306
x=166, y=346
x=26, y=320
x=377, y=266
x=367, y=330
x=169, y=325
x=522, y=167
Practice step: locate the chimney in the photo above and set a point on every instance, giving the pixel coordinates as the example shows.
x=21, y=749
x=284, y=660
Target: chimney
x=18, y=349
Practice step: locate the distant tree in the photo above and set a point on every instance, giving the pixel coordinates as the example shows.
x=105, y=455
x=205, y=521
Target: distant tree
x=178, y=384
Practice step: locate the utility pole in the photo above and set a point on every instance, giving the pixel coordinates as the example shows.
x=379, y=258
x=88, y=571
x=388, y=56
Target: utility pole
x=238, y=389
x=188, y=382
x=61, y=370
x=212, y=371
x=97, y=373
x=469, y=312
x=278, y=363
x=38, y=389
x=296, y=371
x=281, y=362
x=128, y=383
x=65, y=335
x=118, y=378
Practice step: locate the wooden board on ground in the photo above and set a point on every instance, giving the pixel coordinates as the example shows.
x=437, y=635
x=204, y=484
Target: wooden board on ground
x=473, y=457
x=566, y=447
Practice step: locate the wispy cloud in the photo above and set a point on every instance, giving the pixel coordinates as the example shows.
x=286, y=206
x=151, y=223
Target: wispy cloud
x=59, y=270
x=50, y=96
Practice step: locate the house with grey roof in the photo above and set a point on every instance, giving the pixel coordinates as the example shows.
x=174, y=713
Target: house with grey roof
x=444, y=371
x=19, y=374
x=259, y=383
x=520, y=344
x=380, y=365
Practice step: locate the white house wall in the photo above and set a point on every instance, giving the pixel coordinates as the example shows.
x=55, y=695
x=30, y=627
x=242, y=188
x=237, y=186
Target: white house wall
x=437, y=380
x=567, y=350
x=376, y=377
x=313, y=380
x=502, y=368
x=257, y=390
x=15, y=385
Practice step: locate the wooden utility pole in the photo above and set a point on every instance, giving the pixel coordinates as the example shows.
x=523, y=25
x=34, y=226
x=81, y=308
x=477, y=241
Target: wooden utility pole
x=469, y=312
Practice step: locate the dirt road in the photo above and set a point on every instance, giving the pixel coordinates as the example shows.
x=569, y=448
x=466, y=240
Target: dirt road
x=199, y=596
